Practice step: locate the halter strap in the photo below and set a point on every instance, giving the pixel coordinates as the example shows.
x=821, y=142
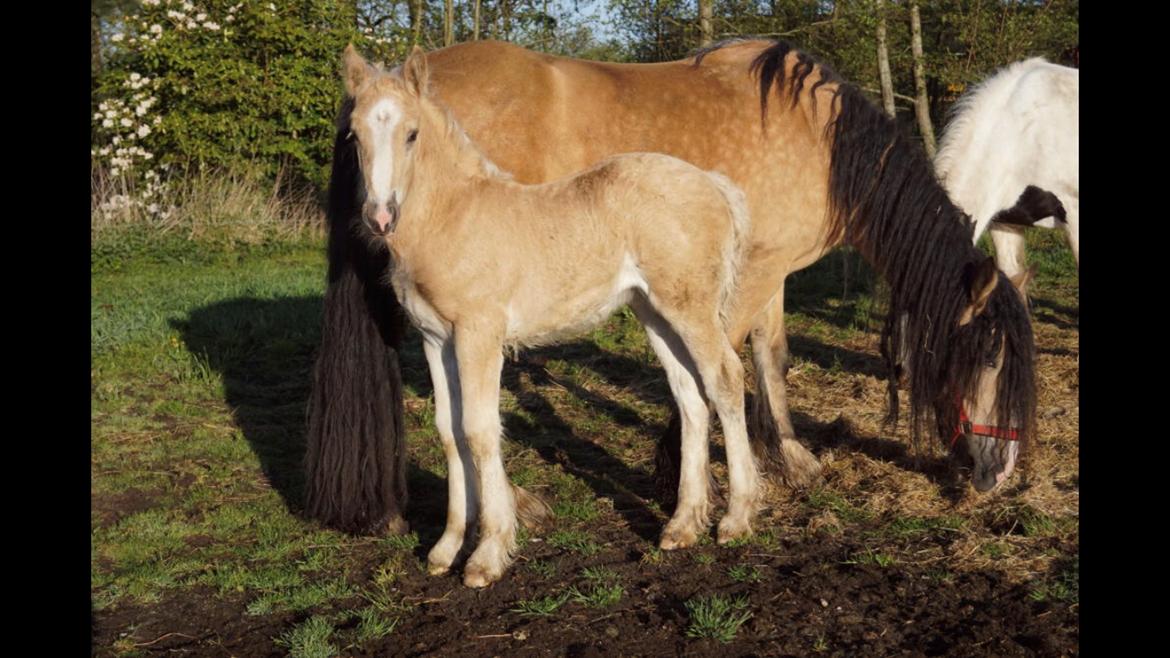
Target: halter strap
x=967, y=427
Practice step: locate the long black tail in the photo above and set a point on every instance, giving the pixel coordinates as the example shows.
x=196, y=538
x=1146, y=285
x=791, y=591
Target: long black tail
x=355, y=456
x=1033, y=205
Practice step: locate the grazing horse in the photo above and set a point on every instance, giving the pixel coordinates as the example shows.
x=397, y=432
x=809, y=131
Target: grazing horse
x=482, y=262
x=1009, y=156
x=819, y=165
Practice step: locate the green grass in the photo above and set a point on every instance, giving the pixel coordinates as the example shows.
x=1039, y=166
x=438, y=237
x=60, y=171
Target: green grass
x=717, y=617
x=576, y=541
x=545, y=606
x=871, y=557
x=542, y=568
x=310, y=639
x=744, y=573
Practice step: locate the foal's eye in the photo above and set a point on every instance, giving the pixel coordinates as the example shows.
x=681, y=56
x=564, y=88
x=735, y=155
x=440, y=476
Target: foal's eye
x=413, y=135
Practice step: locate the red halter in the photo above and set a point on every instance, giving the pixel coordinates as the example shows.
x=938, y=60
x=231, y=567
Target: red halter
x=967, y=427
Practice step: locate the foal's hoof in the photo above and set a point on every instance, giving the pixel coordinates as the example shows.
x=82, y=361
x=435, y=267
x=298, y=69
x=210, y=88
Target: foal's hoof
x=677, y=538
x=732, y=529
x=477, y=576
x=438, y=569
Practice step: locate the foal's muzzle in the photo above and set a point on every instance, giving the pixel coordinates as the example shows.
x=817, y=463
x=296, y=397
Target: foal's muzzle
x=382, y=219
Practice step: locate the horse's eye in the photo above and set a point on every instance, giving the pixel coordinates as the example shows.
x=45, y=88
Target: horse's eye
x=411, y=137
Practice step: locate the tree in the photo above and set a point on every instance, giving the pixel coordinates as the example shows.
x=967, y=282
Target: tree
x=883, y=58
x=922, y=102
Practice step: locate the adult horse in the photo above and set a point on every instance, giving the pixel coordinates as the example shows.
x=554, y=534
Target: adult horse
x=820, y=165
x=1008, y=156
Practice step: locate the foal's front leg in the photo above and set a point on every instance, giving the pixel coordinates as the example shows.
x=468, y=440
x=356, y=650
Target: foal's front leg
x=462, y=490
x=479, y=352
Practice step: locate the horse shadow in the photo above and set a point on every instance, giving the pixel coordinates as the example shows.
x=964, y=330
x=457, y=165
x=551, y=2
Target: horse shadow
x=264, y=350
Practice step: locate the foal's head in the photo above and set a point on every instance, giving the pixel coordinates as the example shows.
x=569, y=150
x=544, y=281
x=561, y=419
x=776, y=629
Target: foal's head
x=384, y=125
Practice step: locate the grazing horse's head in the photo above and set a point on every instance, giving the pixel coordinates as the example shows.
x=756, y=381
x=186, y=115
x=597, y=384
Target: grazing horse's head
x=989, y=334
x=385, y=127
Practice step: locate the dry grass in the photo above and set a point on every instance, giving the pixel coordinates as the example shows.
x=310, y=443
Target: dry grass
x=206, y=204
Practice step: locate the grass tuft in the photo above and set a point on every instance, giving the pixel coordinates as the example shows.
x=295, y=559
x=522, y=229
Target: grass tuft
x=717, y=617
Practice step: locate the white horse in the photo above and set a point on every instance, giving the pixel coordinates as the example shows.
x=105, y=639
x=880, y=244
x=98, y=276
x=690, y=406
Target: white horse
x=1008, y=157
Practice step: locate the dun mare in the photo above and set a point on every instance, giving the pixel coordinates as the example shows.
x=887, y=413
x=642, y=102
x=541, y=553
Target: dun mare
x=819, y=165
x=1009, y=156
x=482, y=262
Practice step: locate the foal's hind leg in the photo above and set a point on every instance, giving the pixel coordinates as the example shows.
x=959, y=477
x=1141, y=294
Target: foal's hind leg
x=480, y=356
x=462, y=490
x=773, y=436
x=690, y=517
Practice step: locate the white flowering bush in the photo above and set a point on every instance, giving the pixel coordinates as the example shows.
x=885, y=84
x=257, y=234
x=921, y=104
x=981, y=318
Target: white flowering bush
x=215, y=84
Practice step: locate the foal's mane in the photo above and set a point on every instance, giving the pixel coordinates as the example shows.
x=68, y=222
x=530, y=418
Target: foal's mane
x=884, y=200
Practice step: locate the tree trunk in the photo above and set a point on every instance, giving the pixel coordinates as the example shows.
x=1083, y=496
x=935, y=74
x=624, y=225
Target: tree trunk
x=475, y=24
x=883, y=59
x=417, y=18
x=449, y=22
x=706, y=34
x=95, y=44
x=922, y=101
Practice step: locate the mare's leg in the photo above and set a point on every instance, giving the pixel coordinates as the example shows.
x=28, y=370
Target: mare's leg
x=462, y=505
x=690, y=517
x=479, y=352
x=1009, y=247
x=1073, y=228
x=773, y=436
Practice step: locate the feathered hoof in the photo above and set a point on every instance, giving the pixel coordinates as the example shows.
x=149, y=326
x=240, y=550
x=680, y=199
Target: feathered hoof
x=438, y=569
x=397, y=525
x=732, y=529
x=675, y=538
x=797, y=467
x=531, y=510
x=478, y=576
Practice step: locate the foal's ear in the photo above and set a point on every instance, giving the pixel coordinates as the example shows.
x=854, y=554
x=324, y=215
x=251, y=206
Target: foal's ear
x=415, y=72
x=981, y=278
x=355, y=69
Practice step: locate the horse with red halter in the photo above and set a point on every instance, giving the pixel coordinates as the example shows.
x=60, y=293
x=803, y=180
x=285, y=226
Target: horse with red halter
x=820, y=166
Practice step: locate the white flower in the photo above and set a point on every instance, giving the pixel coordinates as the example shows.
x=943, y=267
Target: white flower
x=126, y=123
x=211, y=25
x=143, y=130
x=156, y=29
x=135, y=77
x=272, y=6
x=152, y=208
x=106, y=123
x=201, y=16
x=191, y=25
x=231, y=18
x=147, y=156
x=116, y=37
x=116, y=140
x=104, y=151
x=150, y=3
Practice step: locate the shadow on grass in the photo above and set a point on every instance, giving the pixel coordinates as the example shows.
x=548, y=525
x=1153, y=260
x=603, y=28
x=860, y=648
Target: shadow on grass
x=264, y=349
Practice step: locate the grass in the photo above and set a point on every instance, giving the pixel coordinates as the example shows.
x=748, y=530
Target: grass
x=744, y=573
x=576, y=541
x=545, y=606
x=717, y=617
x=310, y=639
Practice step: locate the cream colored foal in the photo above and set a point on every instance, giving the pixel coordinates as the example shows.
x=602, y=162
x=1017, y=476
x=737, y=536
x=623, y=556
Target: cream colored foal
x=482, y=262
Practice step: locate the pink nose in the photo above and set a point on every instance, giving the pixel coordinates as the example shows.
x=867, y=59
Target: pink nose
x=383, y=218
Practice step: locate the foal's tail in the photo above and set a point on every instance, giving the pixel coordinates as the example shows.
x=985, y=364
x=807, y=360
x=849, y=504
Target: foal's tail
x=735, y=248
x=355, y=457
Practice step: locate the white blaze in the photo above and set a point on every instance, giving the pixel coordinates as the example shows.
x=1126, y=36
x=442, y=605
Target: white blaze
x=381, y=121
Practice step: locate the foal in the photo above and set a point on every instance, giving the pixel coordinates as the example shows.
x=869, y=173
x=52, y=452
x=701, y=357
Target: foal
x=482, y=262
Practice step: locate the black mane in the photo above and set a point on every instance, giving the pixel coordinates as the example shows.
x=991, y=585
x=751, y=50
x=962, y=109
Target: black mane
x=886, y=201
